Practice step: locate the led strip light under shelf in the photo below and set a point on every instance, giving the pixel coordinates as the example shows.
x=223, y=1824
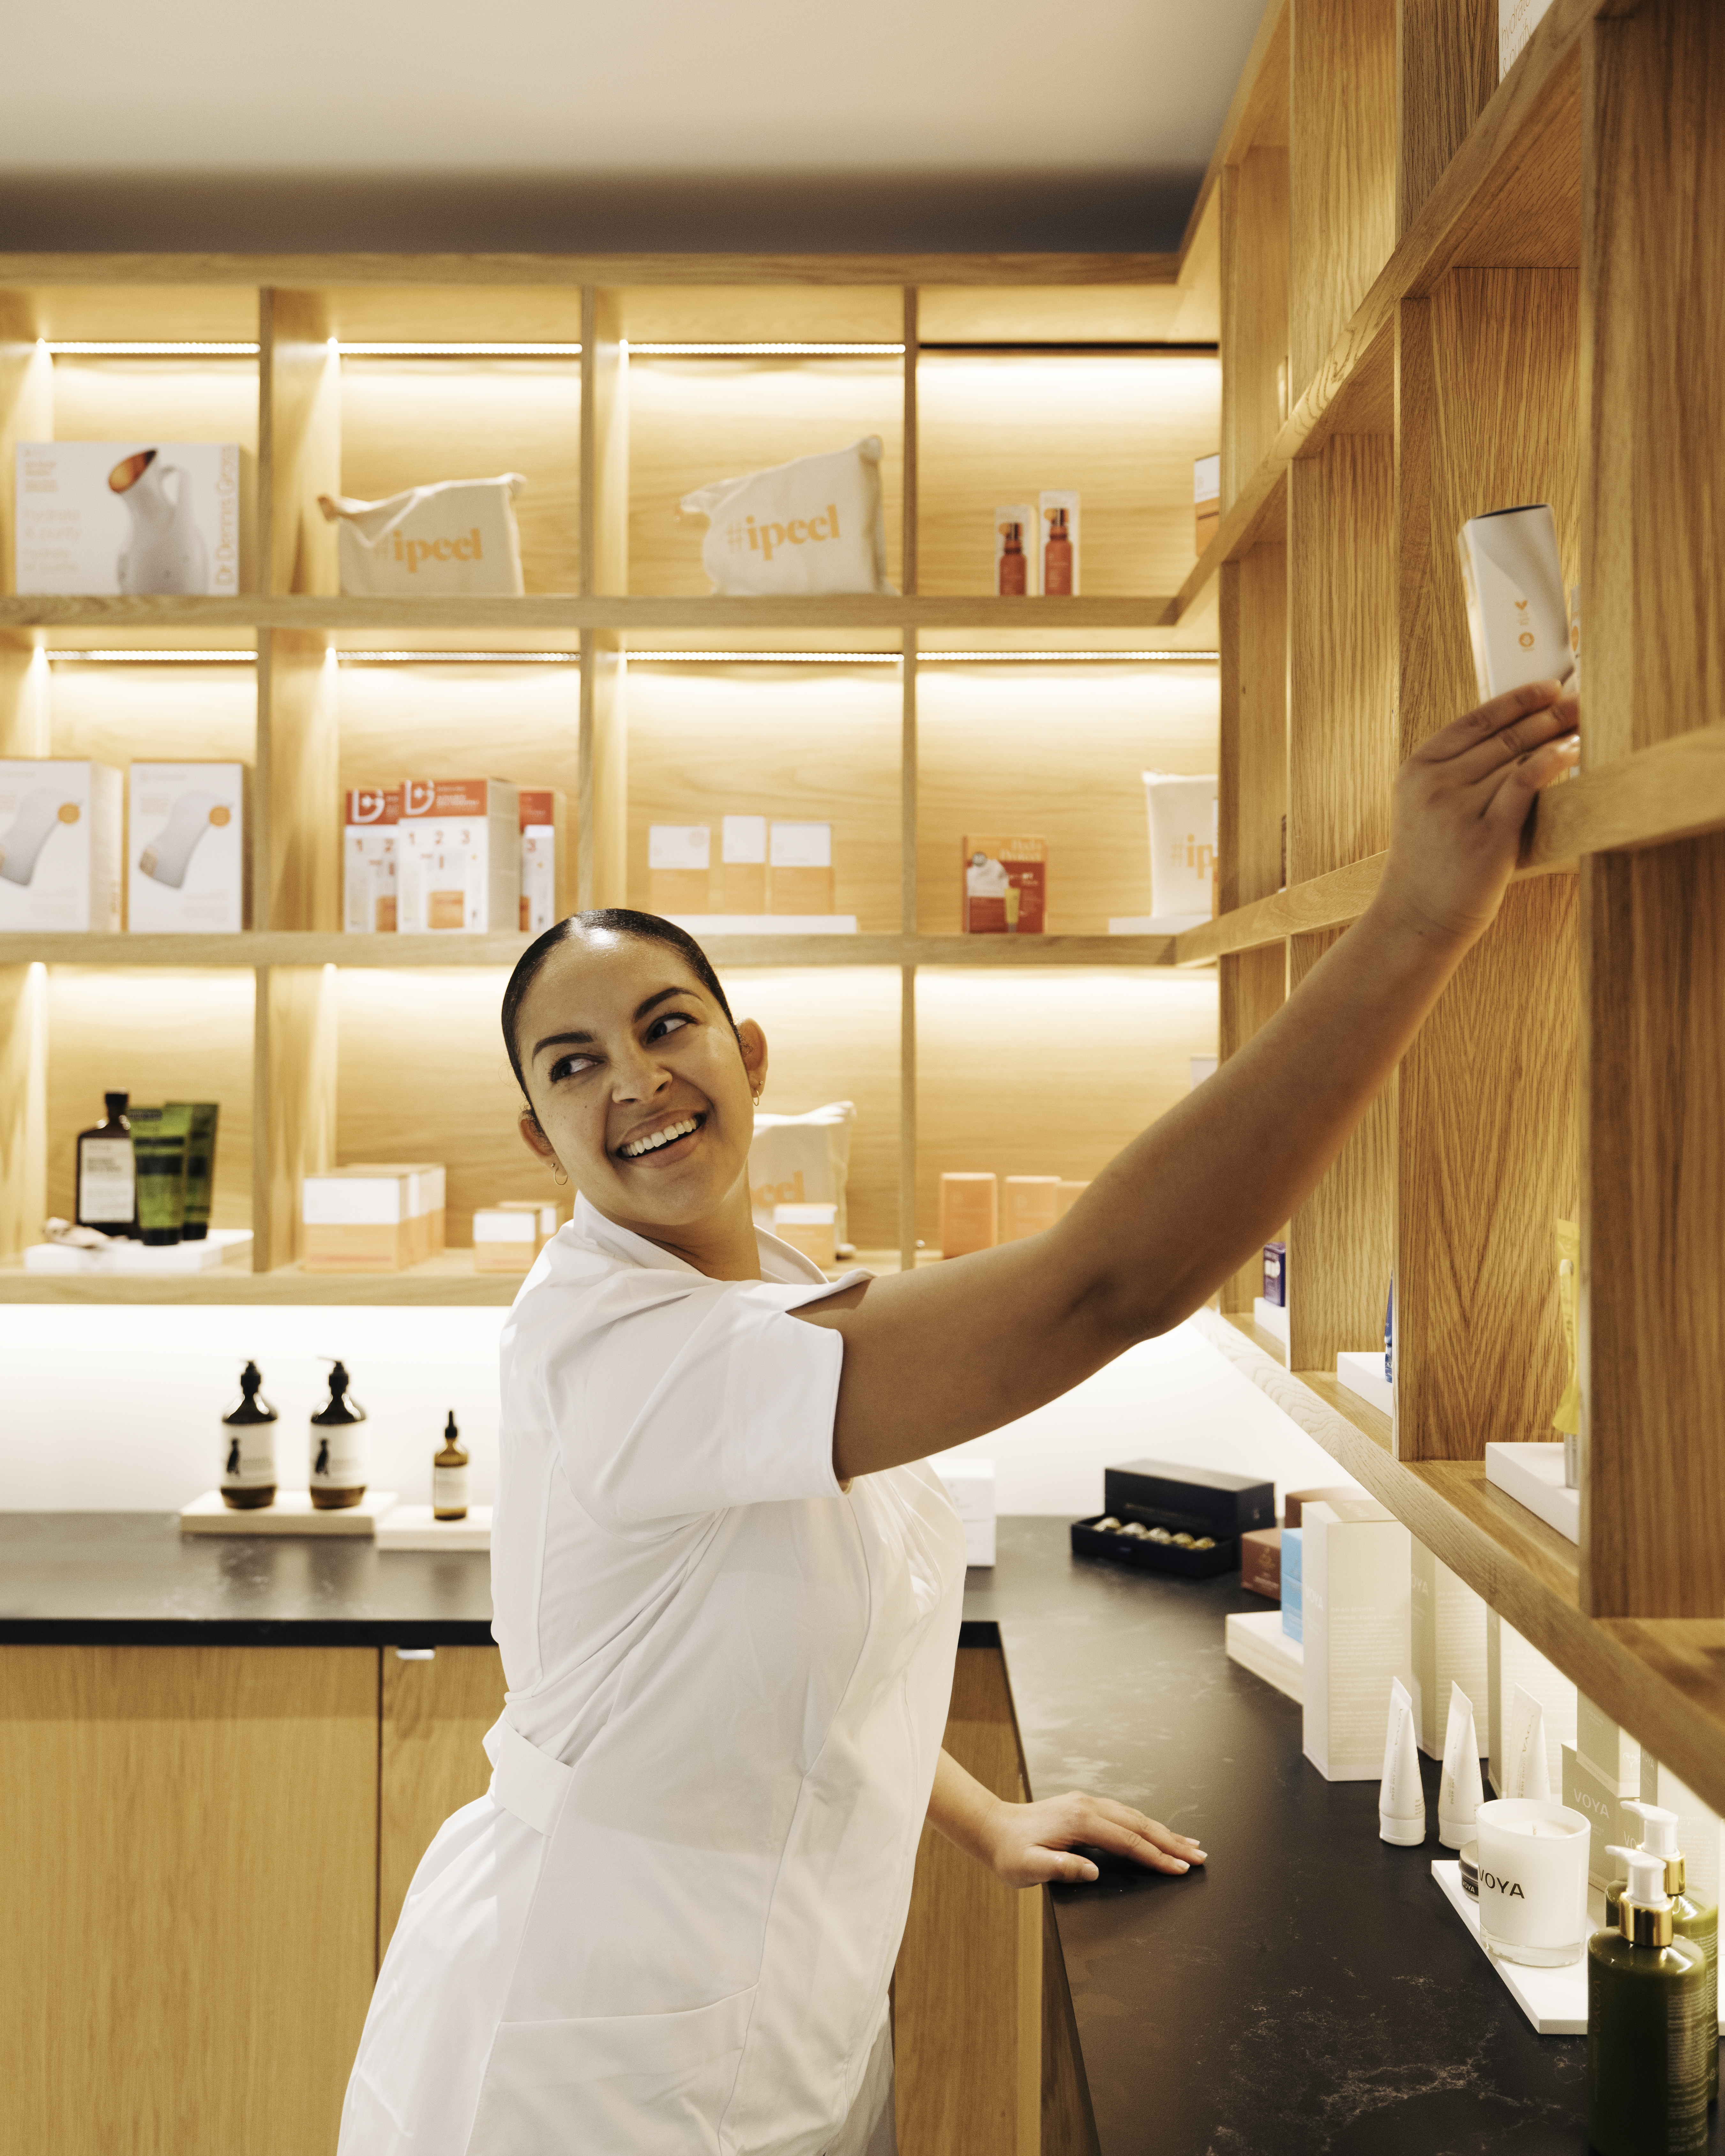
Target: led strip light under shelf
x=105, y=657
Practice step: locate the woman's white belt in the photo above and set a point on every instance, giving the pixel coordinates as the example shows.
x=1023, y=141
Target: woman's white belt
x=525, y=1780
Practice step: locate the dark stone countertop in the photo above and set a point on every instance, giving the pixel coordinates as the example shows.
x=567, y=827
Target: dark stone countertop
x=1310, y=1993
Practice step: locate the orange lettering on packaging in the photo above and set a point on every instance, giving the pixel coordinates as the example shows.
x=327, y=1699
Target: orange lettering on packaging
x=414, y=552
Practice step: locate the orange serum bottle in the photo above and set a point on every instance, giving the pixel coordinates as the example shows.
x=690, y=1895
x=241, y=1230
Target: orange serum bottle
x=1011, y=563
x=1057, y=558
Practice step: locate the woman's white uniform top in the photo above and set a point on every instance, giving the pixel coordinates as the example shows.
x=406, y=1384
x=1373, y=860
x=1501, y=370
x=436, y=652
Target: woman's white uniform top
x=670, y=1924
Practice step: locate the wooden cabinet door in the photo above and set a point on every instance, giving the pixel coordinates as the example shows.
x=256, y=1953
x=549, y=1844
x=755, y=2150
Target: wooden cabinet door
x=434, y=1714
x=188, y=1895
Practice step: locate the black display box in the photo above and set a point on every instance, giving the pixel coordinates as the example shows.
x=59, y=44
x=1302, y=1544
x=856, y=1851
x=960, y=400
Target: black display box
x=1088, y=1540
x=1196, y=1501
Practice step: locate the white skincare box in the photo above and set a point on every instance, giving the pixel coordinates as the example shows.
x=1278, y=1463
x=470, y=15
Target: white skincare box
x=1517, y=614
x=506, y=1239
x=680, y=859
x=970, y=1485
x=742, y=865
x=370, y=840
x=1516, y=20
x=1354, y=1596
x=542, y=813
x=1058, y=542
x=1606, y=1749
x=461, y=859
x=371, y=1217
x=60, y=825
x=799, y=868
x=107, y=519
x=185, y=849
x=1603, y=1808
x=1510, y=1661
x=1446, y=1645
x=1699, y=1834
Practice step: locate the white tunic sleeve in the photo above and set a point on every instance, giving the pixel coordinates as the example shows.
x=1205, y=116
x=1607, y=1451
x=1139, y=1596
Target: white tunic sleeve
x=672, y=1400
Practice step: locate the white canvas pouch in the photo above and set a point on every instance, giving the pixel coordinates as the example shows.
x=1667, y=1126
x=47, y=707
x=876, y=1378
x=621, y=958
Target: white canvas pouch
x=814, y=524
x=455, y=540
x=802, y=1160
x=1182, y=848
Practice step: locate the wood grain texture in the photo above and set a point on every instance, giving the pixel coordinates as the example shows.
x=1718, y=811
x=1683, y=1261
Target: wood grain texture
x=1653, y=1324
x=959, y=2031
x=1341, y=167
x=296, y=840
x=1446, y=72
x=429, y=1760
x=605, y=521
x=1325, y=901
x=1342, y=1241
x=191, y=1898
x=1068, y=2125
x=910, y=436
x=1018, y=314
x=1342, y=654
x=601, y=752
x=293, y=1102
x=168, y=713
x=1660, y=1678
x=1252, y=987
x=1252, y=801
x=24, y=1106
x=1255, y=311
x=298, y=441
x=26, y=407
x=1674, y=790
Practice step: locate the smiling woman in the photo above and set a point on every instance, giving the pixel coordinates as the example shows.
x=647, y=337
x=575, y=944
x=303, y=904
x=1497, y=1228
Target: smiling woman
x=727, y=1584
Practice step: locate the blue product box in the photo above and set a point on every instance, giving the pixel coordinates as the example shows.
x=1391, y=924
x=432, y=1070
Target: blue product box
x=1293, y=1571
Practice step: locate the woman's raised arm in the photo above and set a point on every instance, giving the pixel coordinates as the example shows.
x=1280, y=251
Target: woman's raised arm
x=935, y=1357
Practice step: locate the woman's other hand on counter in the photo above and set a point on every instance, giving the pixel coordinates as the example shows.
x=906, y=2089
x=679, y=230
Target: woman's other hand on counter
x=1032, y=1844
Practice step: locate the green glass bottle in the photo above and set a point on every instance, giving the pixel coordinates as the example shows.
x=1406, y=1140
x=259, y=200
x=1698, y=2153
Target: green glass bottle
x=1691, y=1918
x=1647, y=2032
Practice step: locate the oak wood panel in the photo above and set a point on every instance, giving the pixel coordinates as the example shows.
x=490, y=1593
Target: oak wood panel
x=528, y=313
x=168, y=714
x=448, y=1282
x=296, y=845
x=160, y=1036
x=1068, y=2125
x=1342, y=1241
x=26, y=407
x=187, y=398
x=191, y=1898
x=169, y=312
x=429, y=1760
x=24, y=1106
x=910, y=437
x=1341, y=654
x=1659, y=1677
x=1169, y=313
x=1251, y=989
x=1674, y=790
x=770, y=314
x=786, y=743
x=293, y=1103
x=409, y=422
x=1123, y=431
x=1653, y=1339
x=601, y=814
x=1059, y=755
x=605, y=445
x=1252, y=803
x=1255, y=311
x=1446, y=71
x=1341, y=167
x=964, y=1975
x=299, y=442
x=1324, y=901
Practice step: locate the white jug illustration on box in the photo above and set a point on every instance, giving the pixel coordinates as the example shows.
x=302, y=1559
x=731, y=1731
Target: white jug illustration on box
x=44, y=809
x=166, y=552
x=166, y=857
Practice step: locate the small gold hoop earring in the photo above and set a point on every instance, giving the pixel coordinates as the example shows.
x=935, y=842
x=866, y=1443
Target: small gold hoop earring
x=559, y=1174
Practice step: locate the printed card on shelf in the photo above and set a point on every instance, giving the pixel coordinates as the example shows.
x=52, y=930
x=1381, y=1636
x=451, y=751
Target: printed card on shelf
x=101, y=519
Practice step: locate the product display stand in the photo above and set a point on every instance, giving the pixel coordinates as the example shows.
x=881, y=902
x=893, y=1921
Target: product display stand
x=415, y=1527
x=292, y=1513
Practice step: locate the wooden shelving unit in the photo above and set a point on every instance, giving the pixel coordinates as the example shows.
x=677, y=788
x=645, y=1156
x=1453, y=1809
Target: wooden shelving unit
x=986, y=377
x=1443, y=294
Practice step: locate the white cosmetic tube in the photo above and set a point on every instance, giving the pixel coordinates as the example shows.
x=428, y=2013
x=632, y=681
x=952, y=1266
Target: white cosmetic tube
x=1514, y=582
x=1401, y=1800
x=1527, y=1772
x=166, y=856
x=40, y=814
x=1460, y=1793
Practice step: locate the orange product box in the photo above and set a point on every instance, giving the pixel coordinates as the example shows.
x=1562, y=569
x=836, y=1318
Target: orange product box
x=970, y=1214
x=1005, y=886
x=1030, y=1204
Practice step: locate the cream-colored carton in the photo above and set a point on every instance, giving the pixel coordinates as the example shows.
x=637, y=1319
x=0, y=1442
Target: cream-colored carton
x=460, y=858
x=505, y=1239
x=60, y=825
x=1446, y=1644
x=1511, y=1660
x=372, y=1216
x=742, y=865
x=810, y=1229
x=970, y=1214
x=1029, y=1205
x=370, y=860
x=542, y=817
x=679, y=860
x=186, y=852
x=799, y=862
x=1354, y=1604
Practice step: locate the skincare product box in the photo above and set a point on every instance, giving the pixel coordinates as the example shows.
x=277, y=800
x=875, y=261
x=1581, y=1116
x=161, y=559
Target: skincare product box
x=1028, y=1204
x=60, y=839
x=809, y=1228
x=1602, y=1807
x=1168, y=1518
x=542, y=820
x=970, y=1485
x=1517, y=614
x=460, y=858
x=1354, y=1631
x=1005, y=886
x=799, y=861
x=1207, y=497
x=185, y=851
x=1361, y=1372
x=679, y=868
x=1276, y=1275
x=803, y=1160
x=1511, y=1660
x=1060, y=543
x=970, y=1214
x=742, y=865
x=1531, y=1472
x=1447, y=1636
x=509, y=1236
x=1698, y=1827
x=1516, y=20
x=120, y=518
x=370, y=885
x=1016, y=556
x=373, y=1217
x=1293, y=1583
x=1294, y=1501
x=1183, y=813
x=1606, y=1749
x=1261, y=1562
x=1257, y=1642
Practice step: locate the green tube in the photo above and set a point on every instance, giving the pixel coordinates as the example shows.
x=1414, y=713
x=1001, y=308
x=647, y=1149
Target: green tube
x=200, y=1164
x=158, y=1145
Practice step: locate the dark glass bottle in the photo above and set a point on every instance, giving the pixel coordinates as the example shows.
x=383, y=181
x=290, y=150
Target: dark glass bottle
x=338, y=1469
x=107, y=1175
x=248, y=1447
x=448, y=1476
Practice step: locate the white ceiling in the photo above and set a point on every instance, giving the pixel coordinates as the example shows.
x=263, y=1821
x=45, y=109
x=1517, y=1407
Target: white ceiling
x=543, y=87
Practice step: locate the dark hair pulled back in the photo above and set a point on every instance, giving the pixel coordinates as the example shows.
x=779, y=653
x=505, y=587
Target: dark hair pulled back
x=620, y=920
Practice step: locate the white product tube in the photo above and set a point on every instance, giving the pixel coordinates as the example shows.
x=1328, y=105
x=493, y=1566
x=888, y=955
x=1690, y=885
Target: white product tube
x=39, y=816
x=1514, y=582
x=1526, y=1771
x=1460, y=1793
x=1401, y=1800
x=165, y=858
